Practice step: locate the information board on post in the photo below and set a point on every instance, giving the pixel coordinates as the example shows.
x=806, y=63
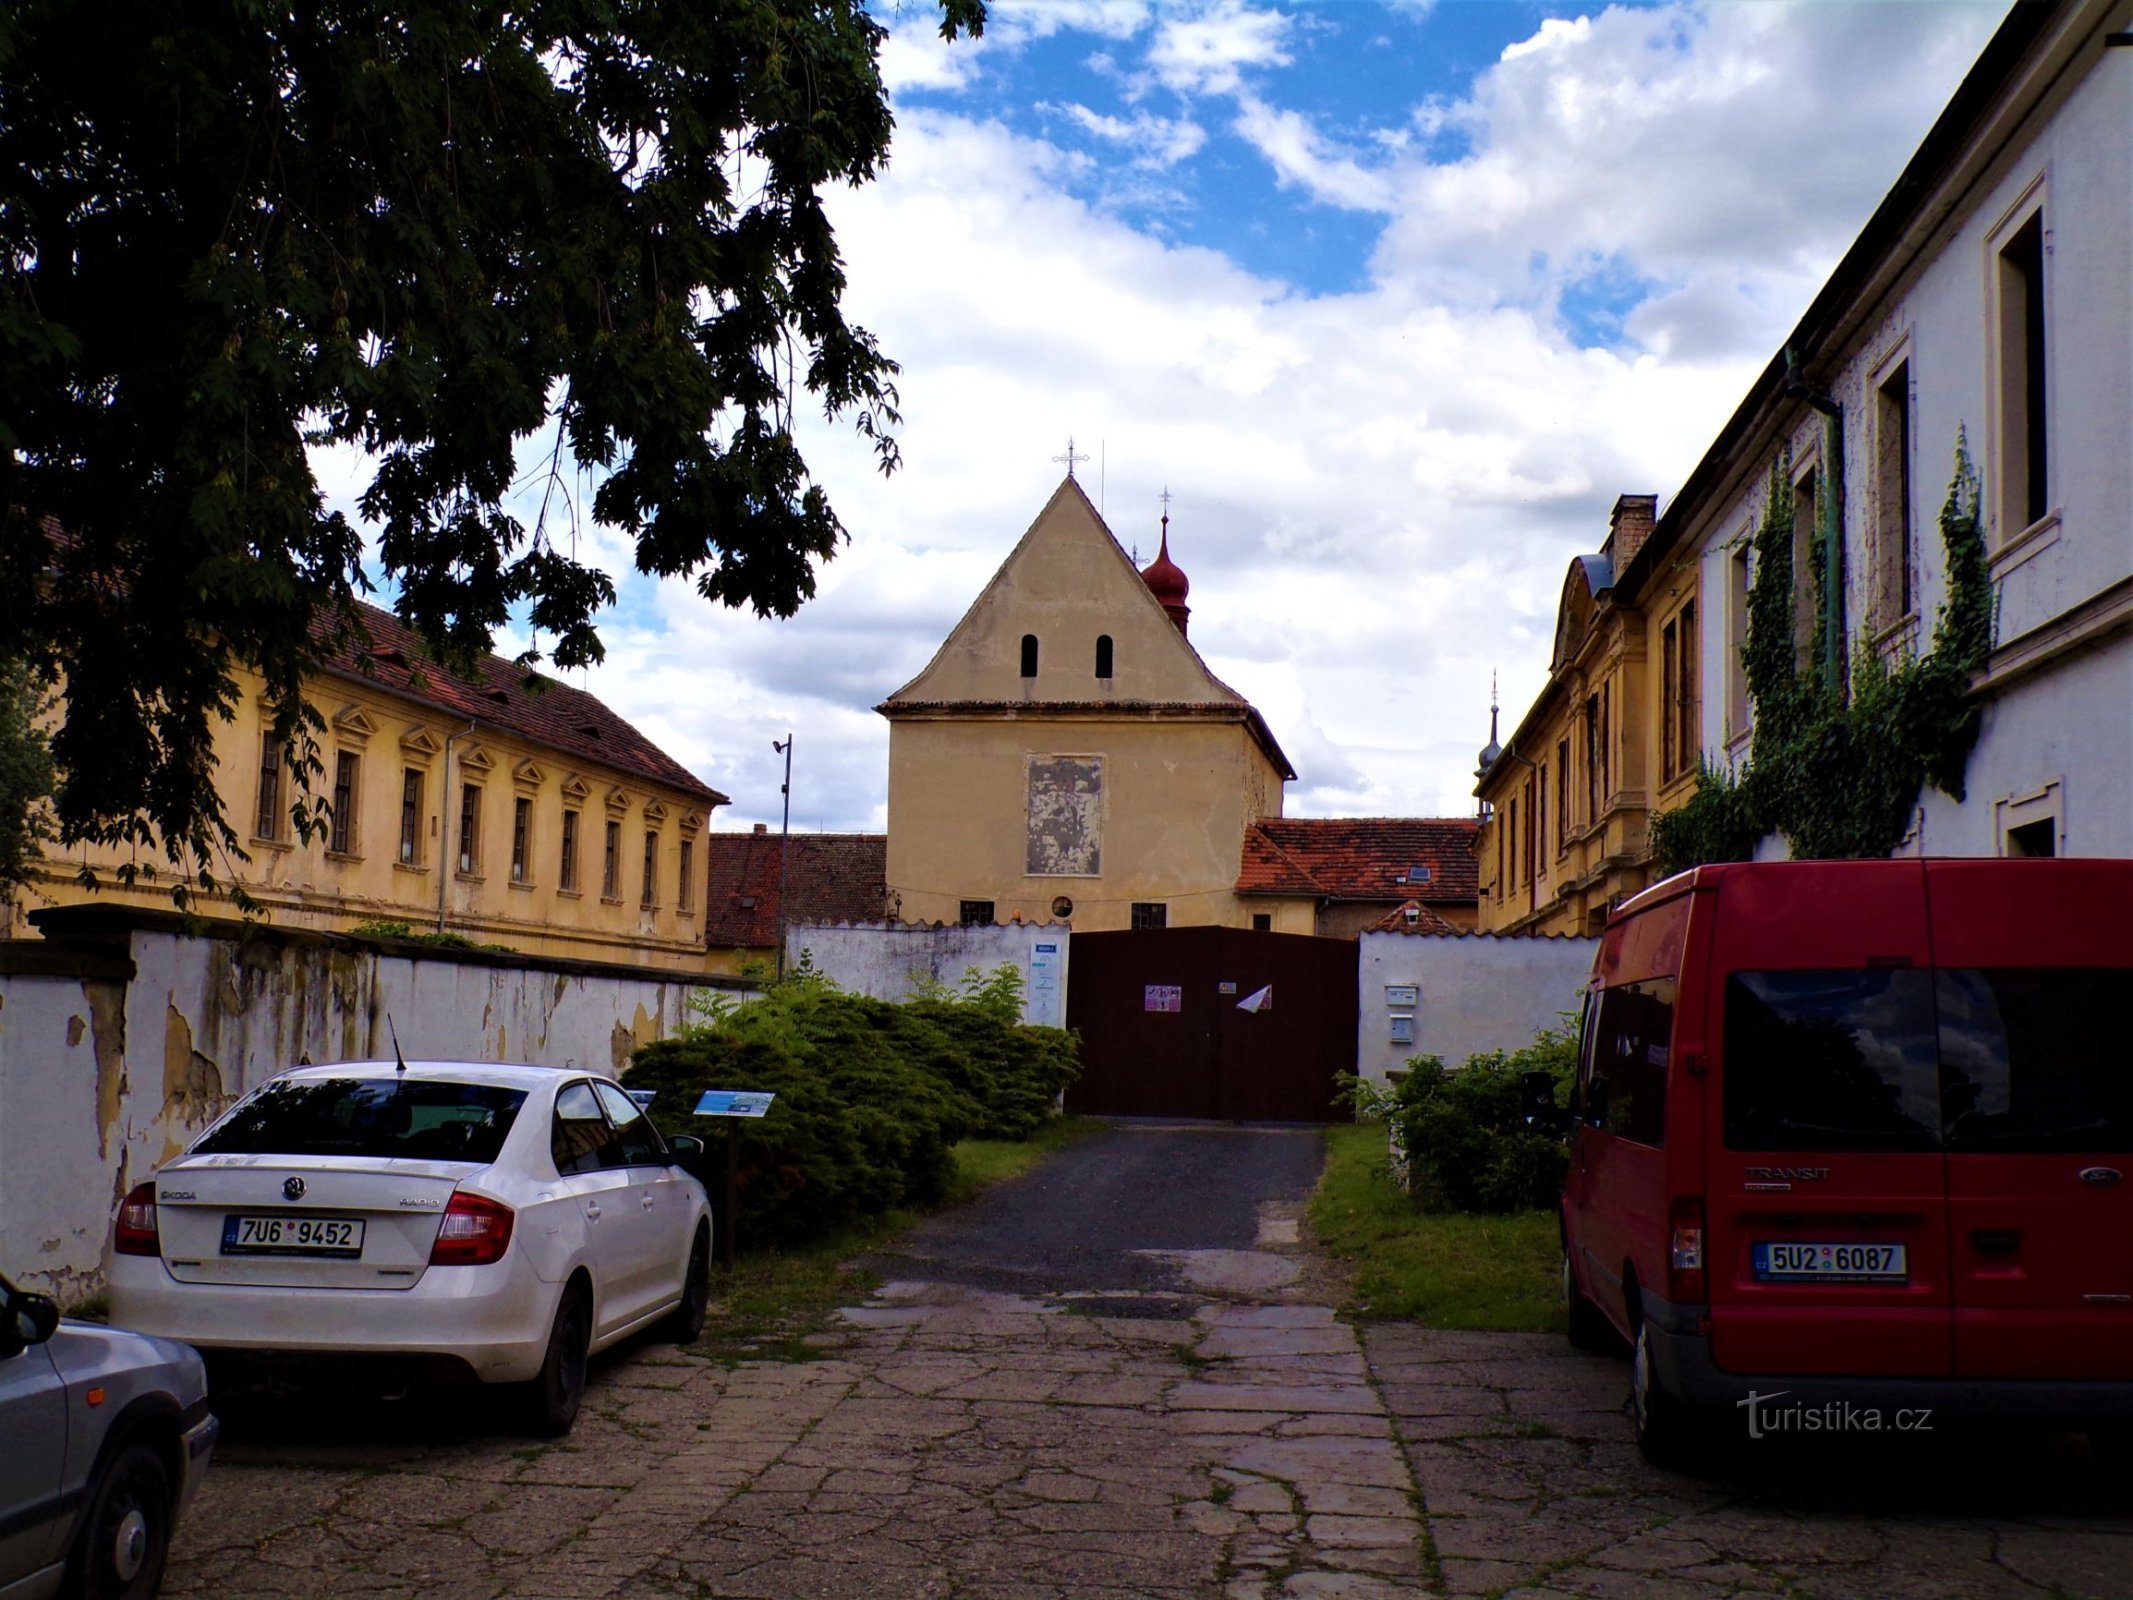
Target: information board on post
x=734, y=1103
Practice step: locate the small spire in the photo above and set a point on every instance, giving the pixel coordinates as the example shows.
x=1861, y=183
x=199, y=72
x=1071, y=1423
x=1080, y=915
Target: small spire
x=1071, y=456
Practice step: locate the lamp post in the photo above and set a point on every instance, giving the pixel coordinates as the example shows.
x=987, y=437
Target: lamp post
x=784, y=748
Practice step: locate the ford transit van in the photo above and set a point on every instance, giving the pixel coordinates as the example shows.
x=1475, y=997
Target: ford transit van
x=1859, y=1134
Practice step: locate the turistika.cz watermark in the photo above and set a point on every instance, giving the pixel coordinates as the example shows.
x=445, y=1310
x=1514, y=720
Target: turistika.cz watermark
x=1767, y=1416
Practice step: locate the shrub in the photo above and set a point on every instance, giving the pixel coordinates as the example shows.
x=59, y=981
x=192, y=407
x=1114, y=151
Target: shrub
x=1469, y=1145
x=871, y=1095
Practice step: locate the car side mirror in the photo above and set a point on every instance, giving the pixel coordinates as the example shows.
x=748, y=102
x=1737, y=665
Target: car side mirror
x=31, y=1319
x=686, y=1147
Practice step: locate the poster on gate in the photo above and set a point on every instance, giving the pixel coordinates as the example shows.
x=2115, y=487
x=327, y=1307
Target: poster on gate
x=1163, y=997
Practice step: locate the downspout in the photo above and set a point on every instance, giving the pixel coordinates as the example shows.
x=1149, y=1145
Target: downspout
x=444, y=811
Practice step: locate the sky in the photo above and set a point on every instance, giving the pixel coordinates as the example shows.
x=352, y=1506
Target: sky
x=1394, y=299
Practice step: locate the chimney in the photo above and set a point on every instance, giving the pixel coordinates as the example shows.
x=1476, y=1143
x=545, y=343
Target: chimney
x=1629, y=527
x=762, y=827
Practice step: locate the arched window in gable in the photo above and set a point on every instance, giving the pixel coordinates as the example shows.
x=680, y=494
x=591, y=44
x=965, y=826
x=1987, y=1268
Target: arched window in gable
x=1029, y=655
x=1103, y=655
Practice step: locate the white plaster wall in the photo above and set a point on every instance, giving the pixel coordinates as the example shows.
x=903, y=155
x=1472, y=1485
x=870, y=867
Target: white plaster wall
x=2074, y=722
x=888, y=959
x=1478, y=992
x=58, y=1155
x=206, y=1019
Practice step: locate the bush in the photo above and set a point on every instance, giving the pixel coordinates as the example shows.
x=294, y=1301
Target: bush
x=1469, y=1146
x=871, y=1095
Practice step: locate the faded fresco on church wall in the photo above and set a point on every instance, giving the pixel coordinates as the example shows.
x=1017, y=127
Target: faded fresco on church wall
x=1065, y=816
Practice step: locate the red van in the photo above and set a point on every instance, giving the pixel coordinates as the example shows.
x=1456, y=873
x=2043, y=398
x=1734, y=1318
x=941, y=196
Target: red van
x=1854, y=1138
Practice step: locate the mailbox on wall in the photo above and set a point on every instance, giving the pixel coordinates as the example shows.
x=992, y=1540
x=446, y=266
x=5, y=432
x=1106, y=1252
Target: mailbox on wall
x=1403, y=1027
x=1402, y=996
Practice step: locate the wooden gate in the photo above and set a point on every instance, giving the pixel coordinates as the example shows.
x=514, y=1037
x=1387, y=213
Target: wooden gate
x=1212, y=1022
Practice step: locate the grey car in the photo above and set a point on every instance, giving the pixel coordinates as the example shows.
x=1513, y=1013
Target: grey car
x=107, y=1435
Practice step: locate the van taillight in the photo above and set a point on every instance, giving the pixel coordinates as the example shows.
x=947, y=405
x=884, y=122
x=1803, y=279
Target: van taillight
x=476, y=1230
x=1684, y=1255
x=136, y=1232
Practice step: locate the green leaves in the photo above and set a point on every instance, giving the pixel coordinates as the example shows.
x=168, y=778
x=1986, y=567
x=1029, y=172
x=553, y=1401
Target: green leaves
x=1838, y=771
x=449, y=237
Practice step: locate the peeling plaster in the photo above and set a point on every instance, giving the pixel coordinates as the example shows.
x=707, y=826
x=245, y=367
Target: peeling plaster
x=192, y=1085
x=74, y=1031
x=107, y=1037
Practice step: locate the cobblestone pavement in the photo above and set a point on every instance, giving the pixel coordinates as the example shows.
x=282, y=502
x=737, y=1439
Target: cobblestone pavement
x=1222, y=1435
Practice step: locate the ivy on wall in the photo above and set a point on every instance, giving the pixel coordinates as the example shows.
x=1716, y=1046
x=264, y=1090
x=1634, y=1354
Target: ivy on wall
x=1838, y=759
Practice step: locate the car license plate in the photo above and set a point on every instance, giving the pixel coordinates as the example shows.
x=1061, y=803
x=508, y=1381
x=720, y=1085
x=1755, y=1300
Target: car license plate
x=1830, y=1263
x=292, y=1236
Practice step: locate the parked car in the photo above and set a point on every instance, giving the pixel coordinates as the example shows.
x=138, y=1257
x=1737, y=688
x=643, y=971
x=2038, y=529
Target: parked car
x=445, y=1218
x=107, y=1435
x=1860, y=1132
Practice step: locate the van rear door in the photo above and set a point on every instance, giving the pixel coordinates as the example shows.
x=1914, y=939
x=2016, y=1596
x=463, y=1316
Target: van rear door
x=2035, y=964
x=1827, y=1187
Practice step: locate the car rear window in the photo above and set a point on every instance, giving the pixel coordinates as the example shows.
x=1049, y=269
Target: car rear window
x=416, y=1118
x=2034, y=1059
x=1831, y=1060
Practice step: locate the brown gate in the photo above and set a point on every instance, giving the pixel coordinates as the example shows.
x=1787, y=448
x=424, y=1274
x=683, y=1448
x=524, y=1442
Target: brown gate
x=1165, y=1029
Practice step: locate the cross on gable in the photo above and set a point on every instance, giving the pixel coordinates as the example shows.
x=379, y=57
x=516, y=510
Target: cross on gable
x=1071, y=456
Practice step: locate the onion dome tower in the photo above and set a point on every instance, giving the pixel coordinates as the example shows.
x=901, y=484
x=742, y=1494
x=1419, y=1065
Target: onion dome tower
x=1166, y=580
x=1492, y=749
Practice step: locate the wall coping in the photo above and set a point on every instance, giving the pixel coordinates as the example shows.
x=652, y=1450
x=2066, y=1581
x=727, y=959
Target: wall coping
x=71, y=928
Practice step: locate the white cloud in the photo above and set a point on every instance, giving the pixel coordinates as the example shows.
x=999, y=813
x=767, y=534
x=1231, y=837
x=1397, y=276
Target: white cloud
x=1204, y=50
x=915, y=57
x=1300, y=154
x=1726, y=152
x=1155, y=141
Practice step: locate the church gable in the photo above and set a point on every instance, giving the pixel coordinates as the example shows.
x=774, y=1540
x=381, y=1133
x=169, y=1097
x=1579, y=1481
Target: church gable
x=1064, y=589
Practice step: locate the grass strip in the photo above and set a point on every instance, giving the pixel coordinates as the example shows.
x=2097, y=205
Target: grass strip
x=1445, y=1269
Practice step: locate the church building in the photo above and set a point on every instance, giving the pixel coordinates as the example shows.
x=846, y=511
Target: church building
x=1067, y=755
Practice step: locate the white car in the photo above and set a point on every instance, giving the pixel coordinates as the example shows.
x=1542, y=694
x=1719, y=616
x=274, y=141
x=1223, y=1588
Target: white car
x=502, y=1221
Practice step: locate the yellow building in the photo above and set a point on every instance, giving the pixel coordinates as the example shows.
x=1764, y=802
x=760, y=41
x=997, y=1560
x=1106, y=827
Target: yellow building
x=1612, y=740
x=1068, y=755
x=508, y=808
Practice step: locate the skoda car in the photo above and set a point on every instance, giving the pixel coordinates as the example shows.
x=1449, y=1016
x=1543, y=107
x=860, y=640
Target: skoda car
x=455, y=1219
x=106, y=1437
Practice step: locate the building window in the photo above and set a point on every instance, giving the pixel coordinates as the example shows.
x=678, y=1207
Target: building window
x=611, y=864
x=1103, y=657
x=1029, y=655
x=1562, y=802
x=1688, y=736
x=1592, y=759
x=1502, y=826
x=2024, y=486
x=685, y=891
x=411, y=817
x=1151, y=914
x=1804, y=500
x=1669, y=688
x=521, y=836
x=975, y=913
x=1892, y=498
x=1740, y=579
x=470, y=828
x=1262, y=922
x=2032, y=839
x=1540, y=811
x=1525, y=861
x=267, y=824
x=341, y=836
x=567, y=873
x=650, y=897
x=2031, y=825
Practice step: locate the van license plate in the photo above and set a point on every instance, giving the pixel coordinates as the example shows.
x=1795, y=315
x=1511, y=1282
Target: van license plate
x=292, y=1236
x=1830, y=1263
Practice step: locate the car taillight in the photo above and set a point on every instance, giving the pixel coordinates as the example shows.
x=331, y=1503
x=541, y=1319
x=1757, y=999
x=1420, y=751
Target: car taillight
x=136, y=1232
x=1684, y=1260
x=476, y=1230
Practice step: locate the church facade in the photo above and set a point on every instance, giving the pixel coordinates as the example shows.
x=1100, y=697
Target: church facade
x=1067, y=755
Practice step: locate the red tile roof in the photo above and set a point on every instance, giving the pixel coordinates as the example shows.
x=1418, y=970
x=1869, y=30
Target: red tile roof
x=835, y=877
x=1410, y=916
x=1429, y=859
x=512, y=699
